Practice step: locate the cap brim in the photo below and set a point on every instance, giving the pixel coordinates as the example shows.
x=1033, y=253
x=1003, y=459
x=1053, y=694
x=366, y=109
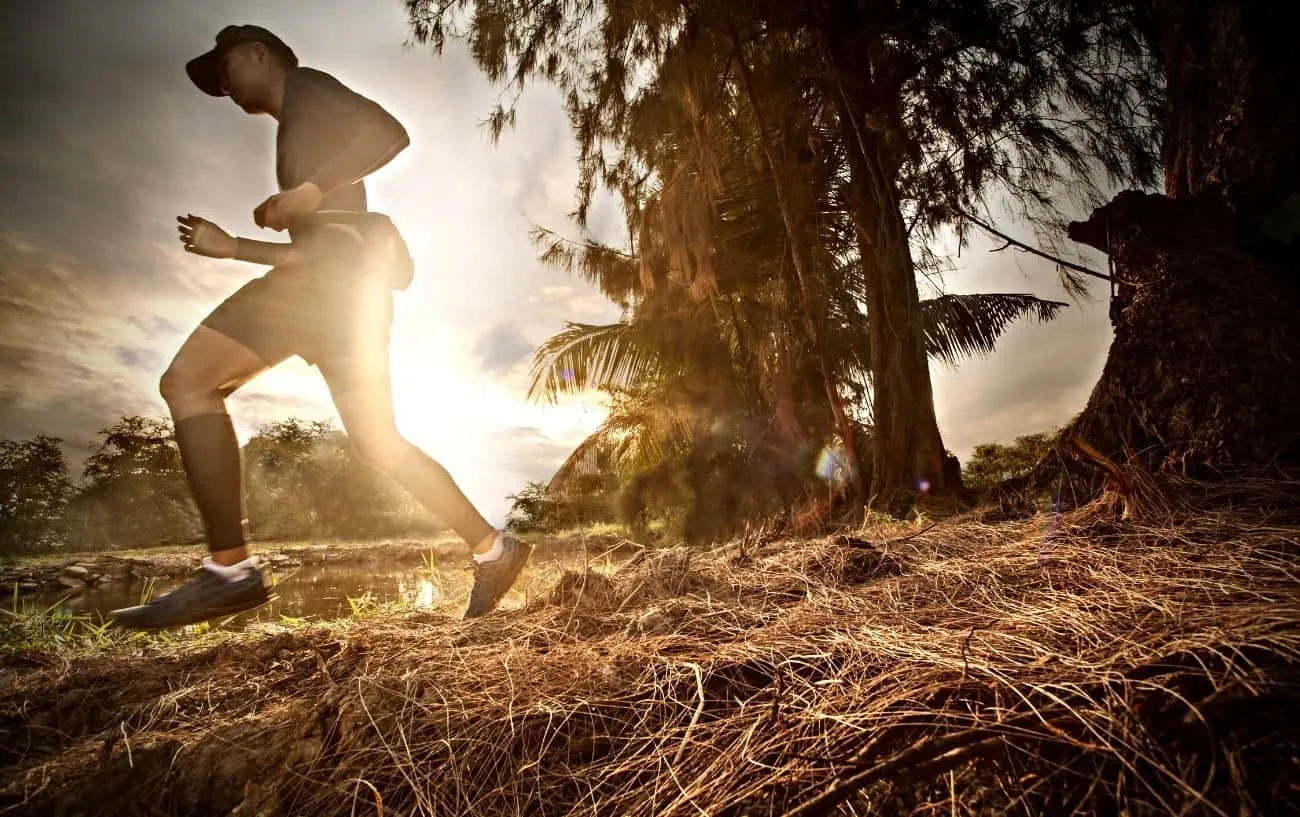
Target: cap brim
x=205, y=72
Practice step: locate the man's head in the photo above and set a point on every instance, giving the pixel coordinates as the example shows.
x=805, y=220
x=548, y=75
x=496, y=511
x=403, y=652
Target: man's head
x=246, y=65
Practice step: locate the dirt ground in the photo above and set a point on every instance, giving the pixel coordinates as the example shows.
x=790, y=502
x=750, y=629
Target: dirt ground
x=1083, y=663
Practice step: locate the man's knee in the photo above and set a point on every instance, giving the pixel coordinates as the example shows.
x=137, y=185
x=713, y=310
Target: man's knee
x=175, y=385
x=185, y=388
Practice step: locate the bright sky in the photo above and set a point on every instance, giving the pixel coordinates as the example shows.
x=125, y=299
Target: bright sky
x=103, y=142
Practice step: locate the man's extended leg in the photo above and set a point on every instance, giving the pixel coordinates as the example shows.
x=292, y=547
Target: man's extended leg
x=364, y=399
x=208, y=367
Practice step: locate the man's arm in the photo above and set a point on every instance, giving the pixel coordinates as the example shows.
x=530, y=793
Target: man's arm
x=269, y=253
x=376, y=137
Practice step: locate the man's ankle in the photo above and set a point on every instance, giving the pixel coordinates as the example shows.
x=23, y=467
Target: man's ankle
x=489, y=548
x=230, y=556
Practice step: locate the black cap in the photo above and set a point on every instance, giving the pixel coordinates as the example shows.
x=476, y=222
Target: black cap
x=205, y=69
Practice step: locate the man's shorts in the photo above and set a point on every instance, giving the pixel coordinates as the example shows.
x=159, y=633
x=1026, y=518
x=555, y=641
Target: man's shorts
x=331, y=303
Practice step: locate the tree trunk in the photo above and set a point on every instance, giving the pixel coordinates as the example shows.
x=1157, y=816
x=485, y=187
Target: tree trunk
x=908, y=453
x=1206, y=355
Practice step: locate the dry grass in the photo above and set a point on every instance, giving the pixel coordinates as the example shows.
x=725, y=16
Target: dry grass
x=1077, y=665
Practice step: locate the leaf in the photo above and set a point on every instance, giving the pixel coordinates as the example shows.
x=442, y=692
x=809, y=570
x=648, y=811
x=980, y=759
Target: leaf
x=592, y=356
x=962, y=326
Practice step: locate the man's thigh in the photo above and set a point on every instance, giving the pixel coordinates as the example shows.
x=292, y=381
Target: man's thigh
x=260, y=316
x=324, y=307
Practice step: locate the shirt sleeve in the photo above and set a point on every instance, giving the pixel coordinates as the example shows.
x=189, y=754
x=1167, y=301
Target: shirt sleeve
x=368, y=136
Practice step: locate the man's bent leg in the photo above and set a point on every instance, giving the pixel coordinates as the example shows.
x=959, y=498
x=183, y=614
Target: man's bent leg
x=209, y=366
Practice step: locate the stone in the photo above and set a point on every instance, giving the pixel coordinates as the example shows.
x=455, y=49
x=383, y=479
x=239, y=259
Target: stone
x=71, y=582
x=76, y=571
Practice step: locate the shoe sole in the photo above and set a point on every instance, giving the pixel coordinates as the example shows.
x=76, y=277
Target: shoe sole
x=224, y=612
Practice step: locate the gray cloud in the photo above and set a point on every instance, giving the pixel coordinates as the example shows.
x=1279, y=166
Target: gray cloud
x=534, y=455
x=145, y=360
x=501, y=347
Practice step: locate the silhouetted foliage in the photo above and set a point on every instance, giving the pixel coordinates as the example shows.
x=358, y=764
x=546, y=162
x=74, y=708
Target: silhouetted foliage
x=994, y=463
x=783, y=170
x=34, y=492
x=302, y=481
x=133, y=492
x=536, y=507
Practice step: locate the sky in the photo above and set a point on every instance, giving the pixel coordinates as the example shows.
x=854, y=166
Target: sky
x=104, y=141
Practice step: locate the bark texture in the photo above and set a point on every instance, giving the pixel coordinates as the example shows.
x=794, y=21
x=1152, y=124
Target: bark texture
x=1206, y=356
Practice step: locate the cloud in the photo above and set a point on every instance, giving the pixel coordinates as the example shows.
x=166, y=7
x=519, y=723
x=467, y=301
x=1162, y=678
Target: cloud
x=502, y=347
x=144, y=360
x=61, y=345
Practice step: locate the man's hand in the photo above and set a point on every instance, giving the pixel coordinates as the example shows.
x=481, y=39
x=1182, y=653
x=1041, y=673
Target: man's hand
x=285, y=209
x=202, y=237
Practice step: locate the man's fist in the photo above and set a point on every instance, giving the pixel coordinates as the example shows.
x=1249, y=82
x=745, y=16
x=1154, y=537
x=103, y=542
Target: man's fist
x=285, y=209
x=202, y=237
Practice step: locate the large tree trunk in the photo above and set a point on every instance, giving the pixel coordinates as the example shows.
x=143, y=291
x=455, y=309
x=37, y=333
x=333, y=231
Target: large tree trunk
x=908, y=456
x=1206, y=357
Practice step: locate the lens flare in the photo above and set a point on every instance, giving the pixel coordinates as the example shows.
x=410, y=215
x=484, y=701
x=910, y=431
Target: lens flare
x=831, y=465
x=923, y=486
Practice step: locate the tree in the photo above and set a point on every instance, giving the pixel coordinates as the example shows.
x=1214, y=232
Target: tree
x=1204, y=361
x=870, y=127
x=991, y=464
x=34, y=491
x=134, y=491
x=304, y=480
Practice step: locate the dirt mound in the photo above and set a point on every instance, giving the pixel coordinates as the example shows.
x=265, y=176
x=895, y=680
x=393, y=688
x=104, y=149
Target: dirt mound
x=1053, y=665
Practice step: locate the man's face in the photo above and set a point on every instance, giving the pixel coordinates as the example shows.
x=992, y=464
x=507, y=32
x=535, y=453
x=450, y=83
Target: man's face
x=245, y=76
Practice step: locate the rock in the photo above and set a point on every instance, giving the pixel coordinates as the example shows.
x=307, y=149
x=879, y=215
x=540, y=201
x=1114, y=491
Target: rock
x=76, y=571
x=28, y=587
x=72, y=582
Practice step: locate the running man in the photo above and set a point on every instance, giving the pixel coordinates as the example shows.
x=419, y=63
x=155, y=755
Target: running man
x=327, y=298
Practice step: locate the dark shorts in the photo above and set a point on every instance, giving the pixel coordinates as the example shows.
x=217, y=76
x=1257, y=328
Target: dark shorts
x=331, y=304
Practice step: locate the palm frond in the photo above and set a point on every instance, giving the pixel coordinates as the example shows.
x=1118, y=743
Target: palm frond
x=639, y=433
x=962, y=326
x=612, y=270
x=590, y=356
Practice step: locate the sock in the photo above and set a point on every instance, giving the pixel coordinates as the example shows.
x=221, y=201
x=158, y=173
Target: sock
x=434, y=488
x=497, y=550
x=231, y=572
x=210, y=454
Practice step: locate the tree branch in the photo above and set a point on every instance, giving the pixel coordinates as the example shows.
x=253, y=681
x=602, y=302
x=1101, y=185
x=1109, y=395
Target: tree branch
x=1011, y=242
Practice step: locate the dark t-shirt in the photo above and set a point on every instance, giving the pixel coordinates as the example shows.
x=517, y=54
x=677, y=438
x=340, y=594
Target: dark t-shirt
x=319, y=120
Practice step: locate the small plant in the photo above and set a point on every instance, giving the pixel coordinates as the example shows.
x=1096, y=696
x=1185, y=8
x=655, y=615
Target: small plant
x=362, y=605
x=146, y=592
